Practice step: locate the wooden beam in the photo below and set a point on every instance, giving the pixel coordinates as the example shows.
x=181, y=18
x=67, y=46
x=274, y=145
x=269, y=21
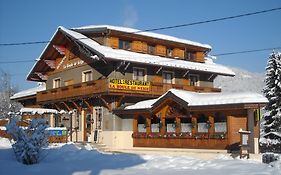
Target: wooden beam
x=185, y=73
x=88, y=105
x=56, y=106
x=67, y=107
x=160, y=68
x=76, y=106
x=105, y=103
x=118, y=102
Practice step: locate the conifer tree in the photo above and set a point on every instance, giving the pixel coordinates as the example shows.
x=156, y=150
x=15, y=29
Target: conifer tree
x=271, y=126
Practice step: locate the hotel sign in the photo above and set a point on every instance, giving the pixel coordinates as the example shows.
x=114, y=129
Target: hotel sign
x=129, y=84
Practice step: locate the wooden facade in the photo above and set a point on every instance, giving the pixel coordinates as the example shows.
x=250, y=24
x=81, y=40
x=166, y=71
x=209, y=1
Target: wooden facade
x=221, y=126
x=94, y=89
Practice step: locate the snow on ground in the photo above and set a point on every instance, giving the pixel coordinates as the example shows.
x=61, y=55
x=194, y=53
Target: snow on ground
x=66, y=159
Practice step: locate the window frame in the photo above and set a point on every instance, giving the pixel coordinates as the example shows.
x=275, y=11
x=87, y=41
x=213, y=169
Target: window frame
x=164, y=77
x=197, y=83
x=151, y=49
x=190, y=55
x=144, y=72
x=84, y=75
x=55, y=84
x=122, y=44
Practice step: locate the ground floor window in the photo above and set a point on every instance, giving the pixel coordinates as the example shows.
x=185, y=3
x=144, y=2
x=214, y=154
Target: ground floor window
x=155, y=124
x=170, y=125
x=203, y=123
x=141, y=124
x=186, y=125
x=220, y=123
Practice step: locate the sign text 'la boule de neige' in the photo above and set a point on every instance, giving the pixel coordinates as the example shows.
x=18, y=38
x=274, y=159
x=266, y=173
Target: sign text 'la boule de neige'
x=129, y=84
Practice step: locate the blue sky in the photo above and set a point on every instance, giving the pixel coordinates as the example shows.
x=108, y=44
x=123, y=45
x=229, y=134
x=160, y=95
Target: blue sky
x=33, y=20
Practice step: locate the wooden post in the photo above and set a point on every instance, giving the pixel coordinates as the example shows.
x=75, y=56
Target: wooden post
x=212, y=125
x=194, y=125
x=178, y=127
x=148, y=122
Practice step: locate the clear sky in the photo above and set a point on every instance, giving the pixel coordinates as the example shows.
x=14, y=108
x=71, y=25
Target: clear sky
x=33, y=20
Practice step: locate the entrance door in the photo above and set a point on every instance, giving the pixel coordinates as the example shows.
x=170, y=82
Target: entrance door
x=89, y=121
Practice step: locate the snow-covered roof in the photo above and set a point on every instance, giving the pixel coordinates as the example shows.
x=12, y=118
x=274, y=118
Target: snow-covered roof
x=124, y=55
x=29, y=92
x=204, y=99
x=139, y=32
x=38, y=111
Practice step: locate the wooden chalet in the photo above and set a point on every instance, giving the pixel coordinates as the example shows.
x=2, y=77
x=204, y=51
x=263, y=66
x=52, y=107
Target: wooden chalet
x=94, y=72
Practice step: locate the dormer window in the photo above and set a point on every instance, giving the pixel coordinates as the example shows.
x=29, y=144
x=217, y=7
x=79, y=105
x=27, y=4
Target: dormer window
x=123, y=44
x=190, y=55
x=169, y=52
x=151, y=49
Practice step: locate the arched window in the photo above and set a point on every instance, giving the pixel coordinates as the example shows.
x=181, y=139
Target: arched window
x=141, y=124
x=220, y=122
x=203, y=123
x=186, y=125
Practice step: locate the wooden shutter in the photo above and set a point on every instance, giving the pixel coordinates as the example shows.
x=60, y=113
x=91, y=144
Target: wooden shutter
x=160, y=50
x=178, y=53
x=144, y=47
x=113, y=42
x=137, y=46
x=199, y=57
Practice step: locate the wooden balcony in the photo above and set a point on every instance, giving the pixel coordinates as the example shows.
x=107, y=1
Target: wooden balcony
x=102, y=87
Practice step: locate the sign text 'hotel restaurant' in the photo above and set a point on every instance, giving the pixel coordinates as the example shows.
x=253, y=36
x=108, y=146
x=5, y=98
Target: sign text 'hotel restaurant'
x=129, y=84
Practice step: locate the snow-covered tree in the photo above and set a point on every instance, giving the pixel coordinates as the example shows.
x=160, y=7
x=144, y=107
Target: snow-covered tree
x=6, y=91
x=28, y=143
x=271, y=125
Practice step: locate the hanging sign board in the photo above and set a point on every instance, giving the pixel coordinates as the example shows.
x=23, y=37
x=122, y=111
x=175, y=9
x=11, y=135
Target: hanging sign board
x=129, y=84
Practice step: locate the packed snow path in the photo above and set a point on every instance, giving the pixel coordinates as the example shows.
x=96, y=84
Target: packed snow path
x=71, y=159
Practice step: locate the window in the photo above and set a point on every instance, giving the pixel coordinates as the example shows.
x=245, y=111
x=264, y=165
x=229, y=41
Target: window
x=141, y=124
x=155, y=124
x=99, y=115
x=57, y=83
x=170, y=125
x=169, y=52
x=194, y=80
x=86, y=76
x=151, y=49
x=139, y=74
x=190, y=55
x=168, y=77
x=203, y=123
x=186, y=125
x=220, y=122
x=124, y=44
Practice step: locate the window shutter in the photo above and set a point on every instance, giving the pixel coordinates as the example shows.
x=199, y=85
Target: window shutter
x=178, y=53
x=160, y=50
x=113, y=42
x=200, y=57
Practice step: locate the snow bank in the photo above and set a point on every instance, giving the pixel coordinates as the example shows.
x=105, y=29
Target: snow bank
x=79, y=159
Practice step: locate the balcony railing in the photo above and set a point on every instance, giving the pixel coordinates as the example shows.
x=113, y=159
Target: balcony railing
x=103, y=86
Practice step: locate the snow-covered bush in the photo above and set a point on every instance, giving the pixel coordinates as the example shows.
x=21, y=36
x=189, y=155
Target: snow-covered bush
x=271, y=124
x=28, y=142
